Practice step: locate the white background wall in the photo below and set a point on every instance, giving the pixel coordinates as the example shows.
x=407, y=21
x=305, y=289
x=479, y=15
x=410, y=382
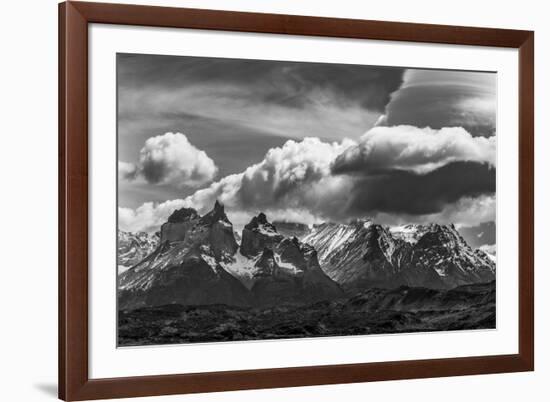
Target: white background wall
x=28, y=204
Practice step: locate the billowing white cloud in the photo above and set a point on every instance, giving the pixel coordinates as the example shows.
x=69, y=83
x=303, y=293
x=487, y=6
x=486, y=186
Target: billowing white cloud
x=295, y=176
x=413, y=149
x=296, y=182
x=289, y=180
x=147, y=217
x=171, y=159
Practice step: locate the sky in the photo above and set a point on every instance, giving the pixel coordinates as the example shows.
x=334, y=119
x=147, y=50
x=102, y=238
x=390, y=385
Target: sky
x=304, y=142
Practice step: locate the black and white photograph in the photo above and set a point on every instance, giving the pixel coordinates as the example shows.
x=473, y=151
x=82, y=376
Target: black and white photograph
x=267, y=199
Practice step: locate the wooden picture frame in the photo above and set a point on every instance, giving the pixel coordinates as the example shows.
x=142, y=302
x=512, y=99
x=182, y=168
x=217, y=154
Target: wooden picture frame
x=74, y=381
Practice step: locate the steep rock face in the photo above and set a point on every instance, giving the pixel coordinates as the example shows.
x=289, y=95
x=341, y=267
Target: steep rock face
x=134, y=247
x=329, y=237
x=356, y=256
x=292, y=274
x=178, y=224
x=257, y=235
x=213, y=229
x=220, y=233
x=272, y=284
x=278, y=269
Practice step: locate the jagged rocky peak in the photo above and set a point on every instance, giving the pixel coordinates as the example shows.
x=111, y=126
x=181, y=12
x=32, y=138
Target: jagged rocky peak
x=217, y=214
x=266, y=264
x=187, y=268
x=216, y=229
x=260, y=222
x=443, y=249
x=290, y=251
x=183, y=215
x=412, y=233
x=362, y=223
x=293, y=252
x=178, y=225
x=366, y=254
x=436, y=235
x=377, y=236
x=290, y=273
x=258, y=234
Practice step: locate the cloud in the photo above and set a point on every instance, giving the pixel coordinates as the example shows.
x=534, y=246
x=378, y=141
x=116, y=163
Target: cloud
x=466, y=211
x=170, y=159
x=127, y=171
x=426, y=158
x=412, y=149
x=291, y=181
x=489, y=249
x=271, y=97
x=296, y=182
x=292, y=84
x=292, y=176
x=479, y=233
x=402, y=192
x=443, y=98
x=147, y=217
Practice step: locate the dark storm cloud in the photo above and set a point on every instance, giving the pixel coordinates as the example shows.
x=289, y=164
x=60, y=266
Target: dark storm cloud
x=291, y=84
x=409, y=193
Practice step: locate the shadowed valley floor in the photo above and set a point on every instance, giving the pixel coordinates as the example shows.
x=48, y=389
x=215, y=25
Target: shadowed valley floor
x=374, y=311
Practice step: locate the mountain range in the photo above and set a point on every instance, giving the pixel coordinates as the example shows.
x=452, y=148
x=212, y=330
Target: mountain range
x=134, y=247
x=364, y=255
x=201, y=260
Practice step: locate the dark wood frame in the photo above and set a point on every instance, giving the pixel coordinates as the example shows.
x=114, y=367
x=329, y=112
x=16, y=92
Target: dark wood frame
x=74, y=383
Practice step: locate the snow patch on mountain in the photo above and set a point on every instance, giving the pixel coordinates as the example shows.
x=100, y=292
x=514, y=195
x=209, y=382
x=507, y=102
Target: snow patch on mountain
x=134, y=247
x=490, y=250
x=242, y=268
x=199, y=261
x=286, y=265
x=210, y=261
x=410, y=233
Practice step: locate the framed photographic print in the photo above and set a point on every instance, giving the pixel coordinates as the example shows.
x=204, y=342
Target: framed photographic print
x=257, y=200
